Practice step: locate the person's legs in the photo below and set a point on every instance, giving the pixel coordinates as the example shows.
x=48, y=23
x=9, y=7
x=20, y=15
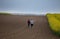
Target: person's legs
x=31, y=25
x=28, y=24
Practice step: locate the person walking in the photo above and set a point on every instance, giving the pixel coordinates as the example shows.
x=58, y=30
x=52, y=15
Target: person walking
x=31, y=22
x=28, y=22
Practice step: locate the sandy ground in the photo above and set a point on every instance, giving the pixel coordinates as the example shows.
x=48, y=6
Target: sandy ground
x=15, y=27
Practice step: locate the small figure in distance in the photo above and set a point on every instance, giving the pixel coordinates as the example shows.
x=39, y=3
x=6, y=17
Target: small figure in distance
x=28, y=22
x=32, y=23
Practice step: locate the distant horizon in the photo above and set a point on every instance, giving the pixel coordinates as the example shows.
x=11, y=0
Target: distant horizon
x=30, y=6
x=28, y=13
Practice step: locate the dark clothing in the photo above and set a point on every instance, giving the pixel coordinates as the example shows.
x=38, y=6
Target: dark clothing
x=28, y=23
x=31, y=25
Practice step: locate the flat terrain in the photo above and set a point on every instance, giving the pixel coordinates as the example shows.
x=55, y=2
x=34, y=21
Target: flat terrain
x=15, y=27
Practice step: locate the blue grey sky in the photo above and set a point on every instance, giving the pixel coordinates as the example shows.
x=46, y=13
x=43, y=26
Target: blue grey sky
x=30, y=6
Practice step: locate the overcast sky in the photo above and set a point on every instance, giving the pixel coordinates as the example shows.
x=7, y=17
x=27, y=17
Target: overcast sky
x=30, y=6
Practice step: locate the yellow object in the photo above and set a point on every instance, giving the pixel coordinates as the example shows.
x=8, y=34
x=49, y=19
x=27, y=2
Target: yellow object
x=54, y=21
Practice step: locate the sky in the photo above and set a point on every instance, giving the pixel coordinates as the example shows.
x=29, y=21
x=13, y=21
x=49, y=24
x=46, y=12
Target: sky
x=29, y=6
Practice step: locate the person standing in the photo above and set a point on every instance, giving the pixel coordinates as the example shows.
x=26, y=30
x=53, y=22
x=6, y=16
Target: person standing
x=32, y=22
x=28, y=22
